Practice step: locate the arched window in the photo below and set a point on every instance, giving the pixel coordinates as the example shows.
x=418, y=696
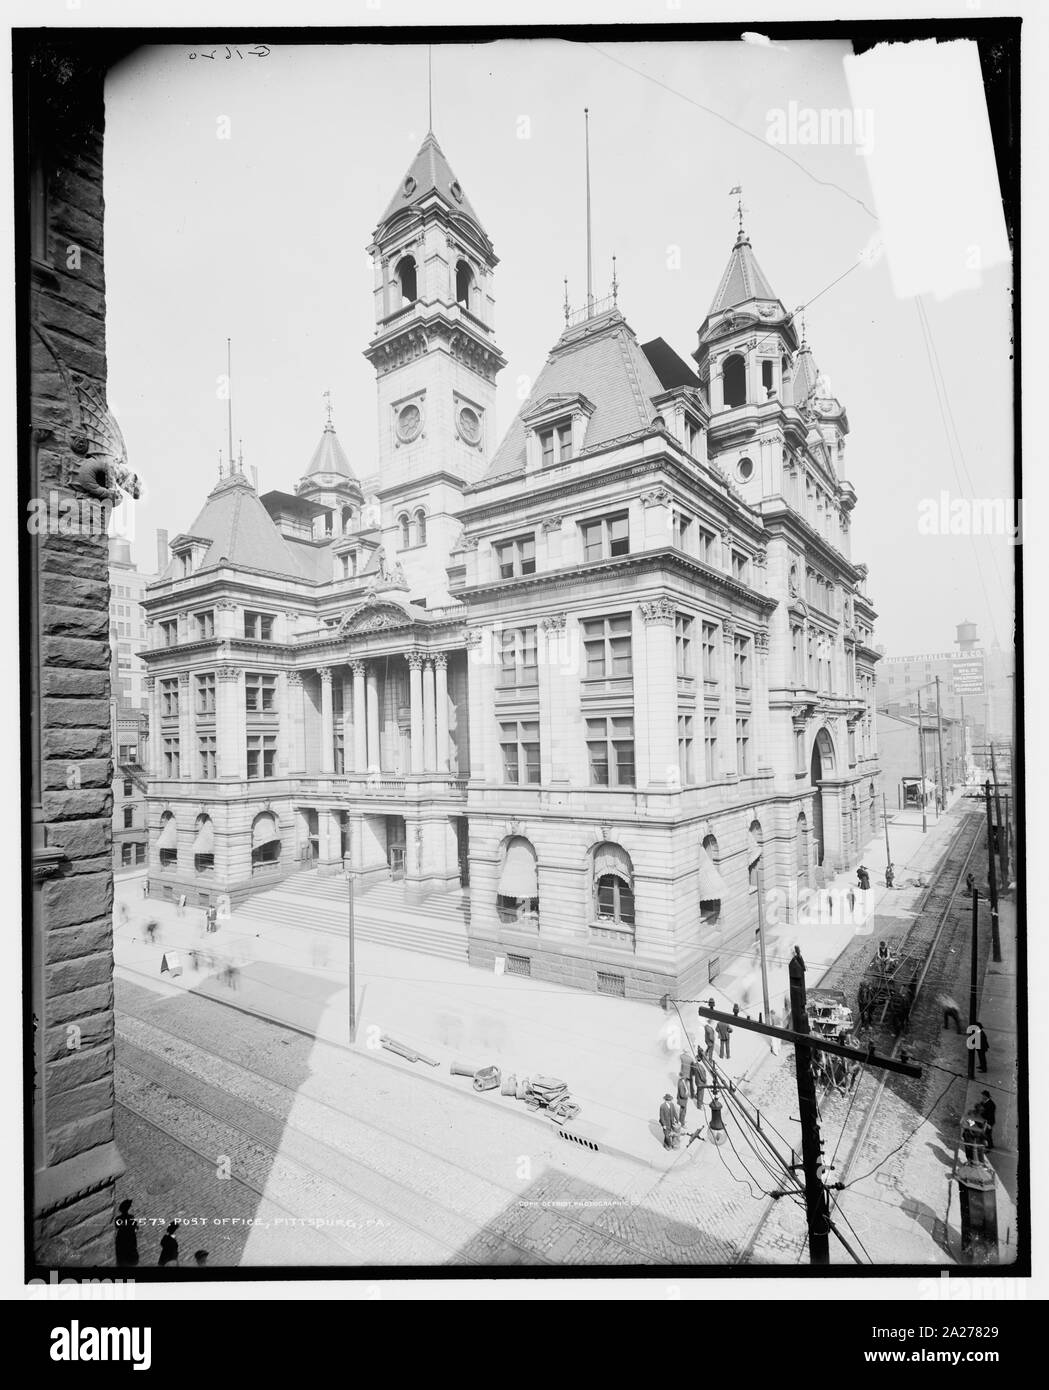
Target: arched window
x=801, y=848
x=404, y=521
x=517, y=897
x=753, y=854
x=407, y=279
x=420, y=527
x=204, y=846
x=464, y=283
x=711, y=885
x=613, y=885
x=265, y=843
x=167, y=841
x=734, y=377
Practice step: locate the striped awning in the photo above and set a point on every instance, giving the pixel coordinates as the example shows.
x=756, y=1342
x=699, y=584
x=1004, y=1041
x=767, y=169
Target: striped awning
x=263, y=831
x=168, y=838
x=753, y=849
x=610, y=859
x=711, y=885
x=205, y=840
x=519, y=877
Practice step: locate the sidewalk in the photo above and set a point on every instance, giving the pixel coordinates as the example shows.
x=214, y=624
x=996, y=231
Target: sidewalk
x=618, y=1057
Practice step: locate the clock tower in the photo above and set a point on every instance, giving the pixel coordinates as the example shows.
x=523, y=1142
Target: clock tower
x=435, y=359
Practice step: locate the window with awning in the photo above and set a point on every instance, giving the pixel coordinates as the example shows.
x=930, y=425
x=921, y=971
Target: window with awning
x=613, y=885
x=517, y=895
x=204, y=845
x=265, y=842
x=712, y=887
x=167, y=840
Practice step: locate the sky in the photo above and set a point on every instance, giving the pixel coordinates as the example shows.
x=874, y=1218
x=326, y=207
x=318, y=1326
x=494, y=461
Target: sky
x=262, y=236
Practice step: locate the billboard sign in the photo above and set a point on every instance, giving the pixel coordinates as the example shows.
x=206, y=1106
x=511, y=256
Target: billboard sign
x=967, y=676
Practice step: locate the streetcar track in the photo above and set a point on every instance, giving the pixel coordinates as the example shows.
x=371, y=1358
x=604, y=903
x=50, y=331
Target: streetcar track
x=399, y=1137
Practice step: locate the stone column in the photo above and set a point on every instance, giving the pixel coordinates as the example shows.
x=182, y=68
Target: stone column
x=347, y=722
x=760, y=726
x=717, y=386
x=429, y=719
x=226, y=618
x=360, y=718
x=659, y=735
x=553, y=664
x=152, y=702
x=374, y=752
x=293, y=720
x=231, y=724
x=440, y=667
x=415, y=700
x=187, y=752
x=327, y=722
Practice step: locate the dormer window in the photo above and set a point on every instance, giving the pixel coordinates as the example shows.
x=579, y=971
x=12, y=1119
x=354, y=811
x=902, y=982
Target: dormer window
x=556, y=443
x=692, y=435
x=349, y=565
x=734, y=378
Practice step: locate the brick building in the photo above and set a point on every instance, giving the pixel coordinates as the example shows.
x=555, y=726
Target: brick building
x=612, y=671
x=70, y=457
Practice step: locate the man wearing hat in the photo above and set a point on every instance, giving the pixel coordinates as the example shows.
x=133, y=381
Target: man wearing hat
x=667, y=1119
x=127, y=1235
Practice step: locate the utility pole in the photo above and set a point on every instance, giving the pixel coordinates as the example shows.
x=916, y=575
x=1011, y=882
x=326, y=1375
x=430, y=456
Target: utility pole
x=352, y=961
x=761, y=938
x=1002, y=849
x=885, y=822
x=921, y=753
x=817, y=1208
x=939, y=743
x=805, y=1044
x=973, y=985
x=992, y=882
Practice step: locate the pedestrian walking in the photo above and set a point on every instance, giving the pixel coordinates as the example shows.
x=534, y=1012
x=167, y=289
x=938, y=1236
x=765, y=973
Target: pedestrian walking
x=890, y=875
x=970, y=883
x=950, y=1010
x=212, y=918
x=152, y=926
x=126, y=1241
x=667, y=1120
x=697, y=1077
x=801, y=960
x=982, y=1045
x=169, y=1246
x=988, y=1112
x=124, y=914
x=682, y=1099
x=724, y=1034
x=709, y=1038
x=863, y=877
x=180, y=906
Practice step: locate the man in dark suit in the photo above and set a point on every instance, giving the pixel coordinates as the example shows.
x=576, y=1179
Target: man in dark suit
x=989, y=1112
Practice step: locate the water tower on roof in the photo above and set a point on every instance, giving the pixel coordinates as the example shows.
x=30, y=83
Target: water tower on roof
x=966, y=638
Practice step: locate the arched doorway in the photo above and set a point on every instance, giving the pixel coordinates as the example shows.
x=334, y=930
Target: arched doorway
x=822, y=766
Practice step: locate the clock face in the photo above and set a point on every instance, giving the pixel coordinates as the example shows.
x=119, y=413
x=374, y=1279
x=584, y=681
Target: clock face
x=409, y=423
x=469, y=425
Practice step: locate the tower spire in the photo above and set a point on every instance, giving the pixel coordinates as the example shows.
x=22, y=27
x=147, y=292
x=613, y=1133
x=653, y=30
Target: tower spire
x=229, y=400
x=327, y=401
x=589, y=258
x=737, y=193
x=429, y=87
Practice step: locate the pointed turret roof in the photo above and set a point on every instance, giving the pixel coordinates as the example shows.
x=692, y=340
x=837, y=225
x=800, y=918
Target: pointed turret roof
x=241, y=532
x=429, y=173
x=805, y=374
x=330, y=457
x=742, y=281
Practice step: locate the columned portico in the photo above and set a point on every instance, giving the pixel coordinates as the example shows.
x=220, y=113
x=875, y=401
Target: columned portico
x=360, y=718
x=440, y=667
x=372, y=699
x=415, y=678
x=327, y=721
x=429, y=719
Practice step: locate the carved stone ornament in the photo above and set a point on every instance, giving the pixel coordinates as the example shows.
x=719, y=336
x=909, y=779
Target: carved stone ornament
x=325, y=674
x=226, y=605
x=228, y=673
x=469, y=542
x=473, y=637
x=440, y=661
x=150, y=682
x=550, y=523
x=656, y=497
x=661, y=610
x=183, y=678
x=373, y=615
x=555, y=622
x=761, y=641
x=415, y=661
x=728, y=629
x=295, y=678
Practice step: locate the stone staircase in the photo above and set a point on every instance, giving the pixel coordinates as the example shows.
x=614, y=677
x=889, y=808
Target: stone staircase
x=435, y=926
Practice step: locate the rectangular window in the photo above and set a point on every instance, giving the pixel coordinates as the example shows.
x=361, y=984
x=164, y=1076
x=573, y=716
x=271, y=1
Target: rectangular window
x=129, y=817
x=206, y=757
x=126, y=851
x=205, y=624
x=129, y=788
x=129, y=752
x=796, y=655
x=206, y=694
x=740, y=567
x=710, y=652
x=519, y=741
x=556, y=443
x=683, y=644
x=682, y=528
x=169, y=632
x=707, y=546
x=743, y=747
x=741, y=660
x=260, y=692
x=799, y=750
x=171, y=757
x=168, y=698
x=518, y=657
x=349, y=565
x=258, y=626
x=606, y=537
x=262, y=756
x=607, y=646
x=610, y=745
x=710, y=747
x=686, y=766
x=516, y=558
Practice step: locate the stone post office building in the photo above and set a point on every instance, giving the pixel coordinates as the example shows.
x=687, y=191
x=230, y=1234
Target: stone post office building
x=613, y=669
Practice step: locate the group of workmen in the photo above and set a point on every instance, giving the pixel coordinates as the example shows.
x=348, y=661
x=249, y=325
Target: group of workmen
x=693, y=1080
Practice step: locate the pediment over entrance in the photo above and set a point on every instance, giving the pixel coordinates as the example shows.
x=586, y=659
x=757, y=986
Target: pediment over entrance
x=374, y=615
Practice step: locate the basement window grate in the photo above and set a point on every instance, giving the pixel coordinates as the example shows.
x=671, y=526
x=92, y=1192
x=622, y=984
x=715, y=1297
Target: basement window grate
x=611, y=984
x=519, y=965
